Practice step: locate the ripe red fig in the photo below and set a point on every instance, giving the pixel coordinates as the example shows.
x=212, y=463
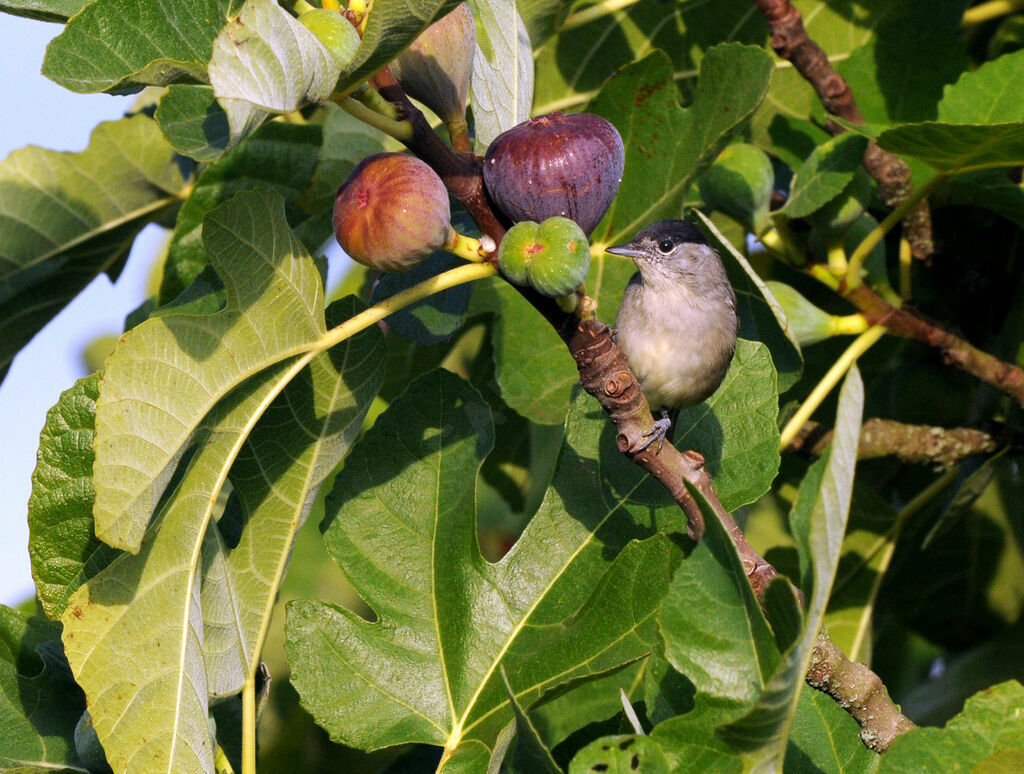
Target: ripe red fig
x=437, y=67
x=567, y=165
x=392, y=212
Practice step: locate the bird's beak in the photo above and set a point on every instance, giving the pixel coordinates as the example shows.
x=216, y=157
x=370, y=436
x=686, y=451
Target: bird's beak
x=627, y=250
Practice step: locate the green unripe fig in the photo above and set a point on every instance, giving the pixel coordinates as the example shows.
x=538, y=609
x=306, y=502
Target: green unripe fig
x=740, y=184
x=808, y=323
x=552, y=257
x=437, y=67
x=334, y=31
x=840, y=213
x=392, y=212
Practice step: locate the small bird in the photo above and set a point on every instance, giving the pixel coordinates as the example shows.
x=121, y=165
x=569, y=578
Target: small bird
x=677, y=323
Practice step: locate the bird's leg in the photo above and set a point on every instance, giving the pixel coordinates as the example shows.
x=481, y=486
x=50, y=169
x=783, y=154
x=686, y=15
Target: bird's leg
x=656, y=433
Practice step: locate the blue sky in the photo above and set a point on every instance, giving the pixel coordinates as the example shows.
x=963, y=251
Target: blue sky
x=39, y=112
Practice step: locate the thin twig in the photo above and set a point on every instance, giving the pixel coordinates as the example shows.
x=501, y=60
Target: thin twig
x=791, y=42
x=942, y=447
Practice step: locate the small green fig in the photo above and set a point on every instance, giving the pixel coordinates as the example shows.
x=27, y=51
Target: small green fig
x=334, y=31
x=437, y=67
x=552, y=257
x=740, y=184
x=392, y=212
x=836, y=217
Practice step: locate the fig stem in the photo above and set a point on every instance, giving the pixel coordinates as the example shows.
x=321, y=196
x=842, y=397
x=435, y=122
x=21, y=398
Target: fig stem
x=301, y=6
x=848, y=325
x=465, y=247
x=373, y=100
x=448, y=279
x=993, y=9
x=906, y=259
x=837, y=262
x=821, y=390
x=400, y=130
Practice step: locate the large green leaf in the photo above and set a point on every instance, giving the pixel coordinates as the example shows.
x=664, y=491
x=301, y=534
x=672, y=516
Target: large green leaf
x=826, y=740
x=297, y=444
x=556, y=608
x=715, y=634
x=532, y=365
x=194, y=122
x=988, y=736
x=201, y=596
x=61, y=544
x=818, y=523
x=712, y=625
x=867, y=550
x=280, y=157
x=47, y=10
x=39, y=702
x=119, y=46
x=987, y=95
x=167, y=373
x=66, y=217
x=597, y=39
x=265, y=62
x=145, y=610
x=825, y=174
x=900, y=77
x=501, y=88
x=667, y=146
x=736, y=429
x=958, y=148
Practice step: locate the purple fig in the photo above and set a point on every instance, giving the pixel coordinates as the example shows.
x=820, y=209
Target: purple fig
x=392, y=212
x=566, y=165
x=437, y=67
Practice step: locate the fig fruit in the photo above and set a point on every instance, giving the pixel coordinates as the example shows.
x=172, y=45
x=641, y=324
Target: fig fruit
x=437, y=67
x=565, y=165
x=392, y=212
x=334, y=31
x=552, y=257
x=739, y=183
x=835, y=218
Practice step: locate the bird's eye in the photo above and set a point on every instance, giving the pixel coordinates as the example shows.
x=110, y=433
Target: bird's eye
x=665, y=246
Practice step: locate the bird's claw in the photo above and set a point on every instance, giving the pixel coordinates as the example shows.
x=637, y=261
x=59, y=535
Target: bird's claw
x=656, y=433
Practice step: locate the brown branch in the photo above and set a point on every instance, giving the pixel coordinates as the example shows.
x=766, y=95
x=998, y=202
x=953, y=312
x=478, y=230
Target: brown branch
x=916, y=444
x=859, y=691
x=956, y=351
x=791, y=42
x=604, y=372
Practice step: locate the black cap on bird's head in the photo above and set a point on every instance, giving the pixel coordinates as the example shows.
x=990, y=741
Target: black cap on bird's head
x=660, y=239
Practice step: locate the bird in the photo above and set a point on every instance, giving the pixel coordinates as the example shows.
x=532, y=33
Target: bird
x=677, y=324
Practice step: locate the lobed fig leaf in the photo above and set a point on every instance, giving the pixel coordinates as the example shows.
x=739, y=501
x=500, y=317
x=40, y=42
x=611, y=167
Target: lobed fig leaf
x=552, y=257
x=556, y=165
x=392, y=212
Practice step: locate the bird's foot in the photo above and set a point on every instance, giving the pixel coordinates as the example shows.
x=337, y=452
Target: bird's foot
x=656, y=434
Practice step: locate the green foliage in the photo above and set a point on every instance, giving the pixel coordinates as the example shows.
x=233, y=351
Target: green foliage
x=494, y=578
